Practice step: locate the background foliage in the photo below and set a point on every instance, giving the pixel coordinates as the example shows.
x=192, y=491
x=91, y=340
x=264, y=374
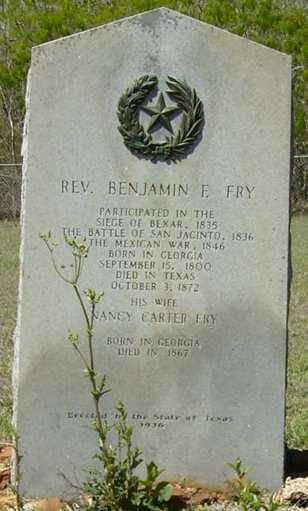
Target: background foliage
x=280, y=24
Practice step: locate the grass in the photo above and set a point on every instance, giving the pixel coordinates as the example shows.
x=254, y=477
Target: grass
x=9, y=245
x=297, y=395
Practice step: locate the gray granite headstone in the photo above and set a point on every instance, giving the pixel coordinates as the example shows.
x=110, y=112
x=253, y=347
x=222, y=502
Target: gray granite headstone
x=192, y=254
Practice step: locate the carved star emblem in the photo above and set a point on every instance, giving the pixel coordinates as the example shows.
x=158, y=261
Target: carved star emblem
x=160, y=113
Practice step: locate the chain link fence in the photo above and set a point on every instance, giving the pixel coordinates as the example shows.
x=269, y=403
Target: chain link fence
x=10, y=186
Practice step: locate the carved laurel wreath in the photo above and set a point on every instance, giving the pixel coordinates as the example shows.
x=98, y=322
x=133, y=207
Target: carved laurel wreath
x=138, y=141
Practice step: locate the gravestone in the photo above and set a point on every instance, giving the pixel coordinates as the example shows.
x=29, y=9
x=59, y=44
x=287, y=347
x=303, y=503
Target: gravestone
x=165, y=142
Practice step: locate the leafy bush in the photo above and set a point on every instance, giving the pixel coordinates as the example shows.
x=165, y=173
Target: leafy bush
x=248, y=495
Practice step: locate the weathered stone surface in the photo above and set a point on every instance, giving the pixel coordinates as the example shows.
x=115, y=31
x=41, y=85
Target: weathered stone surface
x=192, y=338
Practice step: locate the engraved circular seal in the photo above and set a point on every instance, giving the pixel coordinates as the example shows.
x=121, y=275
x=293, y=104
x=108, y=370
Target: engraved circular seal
x=140, y=141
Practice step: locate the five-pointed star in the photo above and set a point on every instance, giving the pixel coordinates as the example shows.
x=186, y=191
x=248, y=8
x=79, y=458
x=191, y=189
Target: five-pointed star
x=161, y=112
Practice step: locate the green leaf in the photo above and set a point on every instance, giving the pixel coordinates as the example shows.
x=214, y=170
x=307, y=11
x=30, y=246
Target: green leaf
x=164, y=491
